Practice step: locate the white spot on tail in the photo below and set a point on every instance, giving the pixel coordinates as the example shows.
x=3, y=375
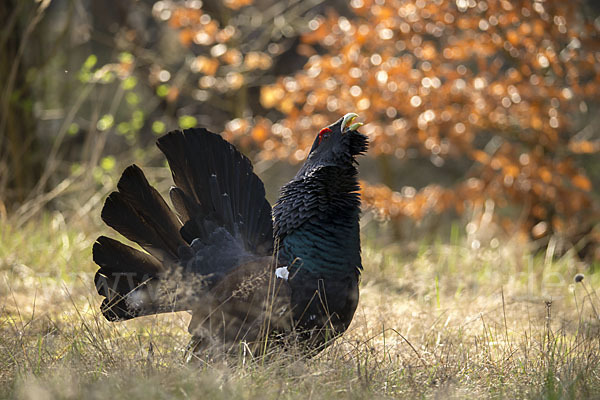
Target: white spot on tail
x=282, y=272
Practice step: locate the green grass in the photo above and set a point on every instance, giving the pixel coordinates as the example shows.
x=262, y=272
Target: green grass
x=434, y=320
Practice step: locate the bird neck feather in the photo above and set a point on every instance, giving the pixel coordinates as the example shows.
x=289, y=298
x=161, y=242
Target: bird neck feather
x=316, y=222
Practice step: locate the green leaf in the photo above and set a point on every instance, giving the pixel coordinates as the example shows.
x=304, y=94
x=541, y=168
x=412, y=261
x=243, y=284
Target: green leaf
x=105, y=122
x=132, y=99
x=108, y=163
x=162, y=90
x=73, y=129
x=84, y=76
x=107, y=77
x=76, y=168
x=129, y=82
x=126, y=57
x=123, y=128
x=90, y=62
x=137, y=119
x=187, y=121
x=158, y=127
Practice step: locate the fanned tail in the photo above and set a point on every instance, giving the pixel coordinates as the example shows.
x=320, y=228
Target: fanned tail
x=128, y=278
x=138, y=212
x=224, y=220
x=215, y=183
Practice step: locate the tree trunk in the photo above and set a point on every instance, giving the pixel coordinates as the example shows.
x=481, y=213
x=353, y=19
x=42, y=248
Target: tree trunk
x=20, y=158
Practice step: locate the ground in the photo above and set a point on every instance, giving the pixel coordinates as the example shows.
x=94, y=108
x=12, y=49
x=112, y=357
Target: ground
x=436, y=319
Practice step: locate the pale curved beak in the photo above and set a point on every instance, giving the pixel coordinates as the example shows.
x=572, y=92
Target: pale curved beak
x=347, y=120
x=355, y=126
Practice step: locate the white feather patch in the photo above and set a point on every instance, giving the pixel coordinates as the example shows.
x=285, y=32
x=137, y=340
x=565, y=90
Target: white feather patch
x=282, y=272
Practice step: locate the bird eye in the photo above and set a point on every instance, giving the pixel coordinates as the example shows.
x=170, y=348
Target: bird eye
x=324, y=134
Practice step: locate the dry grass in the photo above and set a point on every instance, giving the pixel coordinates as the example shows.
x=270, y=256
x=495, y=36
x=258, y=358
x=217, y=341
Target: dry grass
x=446, y=321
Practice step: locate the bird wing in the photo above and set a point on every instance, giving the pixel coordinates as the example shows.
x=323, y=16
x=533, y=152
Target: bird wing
x=249, y=304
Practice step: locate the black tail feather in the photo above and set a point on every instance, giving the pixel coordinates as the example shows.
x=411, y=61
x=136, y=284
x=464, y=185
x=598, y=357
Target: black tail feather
x=132, y=282
x=139, y=213
x=185, y=206
x=220, y=183
x=122, y=270
x=150, y=205
x=114, y=256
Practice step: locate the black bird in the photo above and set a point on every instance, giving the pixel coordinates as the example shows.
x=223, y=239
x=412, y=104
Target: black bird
x=247, y=273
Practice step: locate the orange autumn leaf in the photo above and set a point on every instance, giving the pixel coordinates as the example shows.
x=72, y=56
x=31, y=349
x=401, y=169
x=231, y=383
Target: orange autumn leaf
x=581, y=182
x=480, y=156
x=172, y=94
x=186, y=36
x=584, y=146
x=499, y=84
x=545, y=174
x=236, y=4
x=260, y=132
x=206, y=65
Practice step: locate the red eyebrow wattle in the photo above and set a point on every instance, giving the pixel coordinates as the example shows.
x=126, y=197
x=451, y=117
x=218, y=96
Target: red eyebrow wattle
x=324, y=130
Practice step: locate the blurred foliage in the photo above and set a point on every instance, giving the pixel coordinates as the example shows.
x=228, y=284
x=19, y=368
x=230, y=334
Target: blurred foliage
x=484, y=110
x=507, y=85
x=105, y=78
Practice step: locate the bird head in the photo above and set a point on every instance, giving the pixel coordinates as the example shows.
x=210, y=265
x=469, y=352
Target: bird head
x=336, y=145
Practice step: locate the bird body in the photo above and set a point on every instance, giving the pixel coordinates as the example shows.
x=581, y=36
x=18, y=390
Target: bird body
x=246, y=272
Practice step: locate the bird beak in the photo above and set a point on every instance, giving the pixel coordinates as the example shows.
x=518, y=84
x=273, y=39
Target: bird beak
x=355, y=126
x=347, y=120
